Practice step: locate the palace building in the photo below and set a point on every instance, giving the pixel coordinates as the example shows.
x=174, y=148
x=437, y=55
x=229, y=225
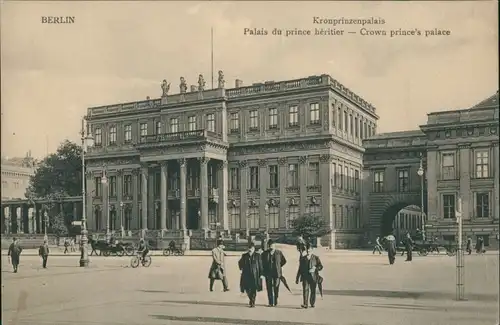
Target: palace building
x=253, y=157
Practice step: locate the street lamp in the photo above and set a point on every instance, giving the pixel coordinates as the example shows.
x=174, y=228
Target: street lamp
x=420, y=173
x=121, y=218
x=46, y=221
x=86, y=138
x=104, y=182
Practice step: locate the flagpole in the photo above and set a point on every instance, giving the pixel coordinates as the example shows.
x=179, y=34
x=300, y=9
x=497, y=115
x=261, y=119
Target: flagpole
x=212, y=53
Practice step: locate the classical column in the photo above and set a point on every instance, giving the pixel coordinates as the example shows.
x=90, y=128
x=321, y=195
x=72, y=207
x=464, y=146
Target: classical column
x=119, y=200
x=433, y=174
x=151, y=200
x=263, y=180
x=4, y=225
x=26, y=218
x=464, y=176
x=135, y=200
x=204, y=192
x=496, y=176
x=282, y=174
x=144, y=196
x=326, y=175
x=163, y=194
x=223, y=184
x=183, y=172
x=303, y=184
x=243, y=193
x=38, y=224
x=90, y=193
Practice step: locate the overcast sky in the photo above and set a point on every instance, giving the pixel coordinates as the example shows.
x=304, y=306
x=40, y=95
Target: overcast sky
x=121, y=51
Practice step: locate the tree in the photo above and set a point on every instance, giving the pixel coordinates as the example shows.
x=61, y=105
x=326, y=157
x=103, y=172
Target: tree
x=59, y=173
x=310, y=226
x=58, y=226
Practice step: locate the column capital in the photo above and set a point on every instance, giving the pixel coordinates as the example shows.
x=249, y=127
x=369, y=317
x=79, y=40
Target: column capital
x=222, y=164
x=282, y=161
x=302, y=160
x=203, y=160
x=243, y=163
x=262, y=162
x=494, y=143
x=182, y=162
x=144, y=166
x=119, y=172
x=326, y=158
x=164, y=164
x=464, y=146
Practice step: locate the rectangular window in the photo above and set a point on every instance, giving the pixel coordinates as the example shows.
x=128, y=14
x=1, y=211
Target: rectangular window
x=234, y=122
x=346, y=122
x=378, y=181
x=98, y=136
x=339, y=118
x=157, y=184
x=449, y=206
x=314, y=210
x=234, y=178
x=211, y=122
x=112, y=134
x=174, y=125
x=361, y=134
x=234, y=215
x=274, y=177
x=144, y=131
x=293, y=175
x=334, y=116
x=356, y=181
x=174, y=181
x=112, y=185
x=313, y=174
x=482, y=164
x=346, y=178
x=293, y=116
x=128, y=133
x=365, y=130
x=340, y=174
x=482, y=205
x=273, y=216
x=293, y=213
x=253, y=217
x=158, y=127
x=351, y=128
x=192, y=123
x=254, y=177
x=314, y=113
x=403, y=180
x=254, y=120
x=448, y=165
x=98, y=186
x=356, y=127
x=127, y=185
x=352, y=182
x=273, y=118
x=335, y=175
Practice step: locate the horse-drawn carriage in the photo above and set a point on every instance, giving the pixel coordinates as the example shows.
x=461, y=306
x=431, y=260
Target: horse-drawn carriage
x=434, y=246
x=104, y=248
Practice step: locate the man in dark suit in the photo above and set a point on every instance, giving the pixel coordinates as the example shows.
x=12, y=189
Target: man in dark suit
x=272, y=262
x=408, y=247
x=43, y=252
x=308, y=274
x=14, y=253
x=250, y=265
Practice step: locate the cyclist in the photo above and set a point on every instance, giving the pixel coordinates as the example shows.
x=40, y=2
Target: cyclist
x=143, y=248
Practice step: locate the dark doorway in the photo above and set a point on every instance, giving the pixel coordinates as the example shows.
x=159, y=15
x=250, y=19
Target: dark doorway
x=401, y=219
x=192, y=215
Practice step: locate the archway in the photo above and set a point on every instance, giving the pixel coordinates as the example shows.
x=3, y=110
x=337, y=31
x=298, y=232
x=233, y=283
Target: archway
x=402, y=218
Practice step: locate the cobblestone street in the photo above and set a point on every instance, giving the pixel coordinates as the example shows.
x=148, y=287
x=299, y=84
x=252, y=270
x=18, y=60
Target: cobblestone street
x=358, y=289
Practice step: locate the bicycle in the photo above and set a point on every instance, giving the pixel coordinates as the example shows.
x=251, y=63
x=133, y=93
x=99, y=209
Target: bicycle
x=138, y=259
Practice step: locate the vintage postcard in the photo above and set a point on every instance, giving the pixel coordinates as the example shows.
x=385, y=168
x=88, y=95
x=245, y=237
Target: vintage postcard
x=250, y=162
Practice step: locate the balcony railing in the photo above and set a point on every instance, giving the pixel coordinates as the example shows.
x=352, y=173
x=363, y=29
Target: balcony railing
x=179, y=136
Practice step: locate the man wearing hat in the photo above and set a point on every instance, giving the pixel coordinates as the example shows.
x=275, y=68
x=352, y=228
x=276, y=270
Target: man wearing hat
x=272, y=262
x=308, y=274
x=14, y=253
x=218, y=269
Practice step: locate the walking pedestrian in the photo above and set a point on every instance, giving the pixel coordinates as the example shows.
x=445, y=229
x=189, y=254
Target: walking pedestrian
x=301, y=245
x=250, y=265
x=408, y=248
x=273, y=261
x=468, y=247
x=66, y=245
x=43, y=252
x=14, y=253
x=218, y=268
x=391, y=248
x=378, y=246
x=308, y=274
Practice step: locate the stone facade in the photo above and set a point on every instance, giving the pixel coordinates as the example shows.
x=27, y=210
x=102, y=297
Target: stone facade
x=16, y=173
x=458, y=151
x=230, y=159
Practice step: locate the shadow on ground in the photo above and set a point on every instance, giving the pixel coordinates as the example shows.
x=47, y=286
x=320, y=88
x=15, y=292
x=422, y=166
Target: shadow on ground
x=227, y=320
x=433, y=295
x=220, y=303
